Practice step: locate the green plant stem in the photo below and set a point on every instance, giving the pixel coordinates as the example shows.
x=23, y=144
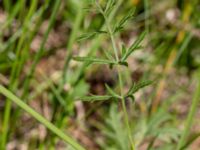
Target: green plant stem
x=94, y=46
x=114, y=45
x=112, y=38
x=40, y=118
x=125, y=111
x=191, y=114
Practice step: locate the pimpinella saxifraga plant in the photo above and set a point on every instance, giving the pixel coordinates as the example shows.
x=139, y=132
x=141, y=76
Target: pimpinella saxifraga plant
x=116, y=59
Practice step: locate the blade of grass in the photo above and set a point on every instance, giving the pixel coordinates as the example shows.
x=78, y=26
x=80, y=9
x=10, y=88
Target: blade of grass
x=71, y=41
x=10, y=18
x=172, y=56
x=31, y=33
x=41, y=49
x=190, y=117
x=18, y=33
x=14, y=76
x=40, y=118
x=147, y=15
x=54, y=90
x=7, y=5
x=183, y=47
x=191, y=139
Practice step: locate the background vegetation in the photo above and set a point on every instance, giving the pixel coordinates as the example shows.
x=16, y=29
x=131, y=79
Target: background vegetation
x=137, y=85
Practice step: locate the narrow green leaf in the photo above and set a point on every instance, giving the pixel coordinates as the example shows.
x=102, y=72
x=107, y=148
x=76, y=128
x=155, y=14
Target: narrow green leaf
x=111, y=92
x=109, y=7
x=122, y=22
x=123, y=49
x=134, y=46
x=108, y=54
x=90, y=35
x=136, y=87
x=86, y=36
x=99, y=8
x=138, y=41
x=94, y=60
x=152, y=143
x=95, y=98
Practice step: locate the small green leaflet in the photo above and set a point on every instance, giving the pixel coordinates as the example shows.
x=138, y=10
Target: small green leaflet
x=94, y=60
x=123, y=49
x=136, y=87
x=99, y=8
x=134, y=46
x=111, y=92
x=108, y=55
x=86, y=36
x=90, y=35
x=109, y=7
x=95, y=98
x=120, y=25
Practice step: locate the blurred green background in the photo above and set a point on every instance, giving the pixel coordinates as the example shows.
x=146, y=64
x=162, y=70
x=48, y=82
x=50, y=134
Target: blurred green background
x=37, y=41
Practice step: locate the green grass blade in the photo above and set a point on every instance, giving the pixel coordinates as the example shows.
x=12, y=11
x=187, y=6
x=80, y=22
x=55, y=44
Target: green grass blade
x=41, y=49
x=16, y=67
x=40, y=118
x=72, y=38
x=191, y=114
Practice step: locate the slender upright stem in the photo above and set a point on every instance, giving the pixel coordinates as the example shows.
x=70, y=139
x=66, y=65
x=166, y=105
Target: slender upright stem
x=124, y=110
x=114, y=45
